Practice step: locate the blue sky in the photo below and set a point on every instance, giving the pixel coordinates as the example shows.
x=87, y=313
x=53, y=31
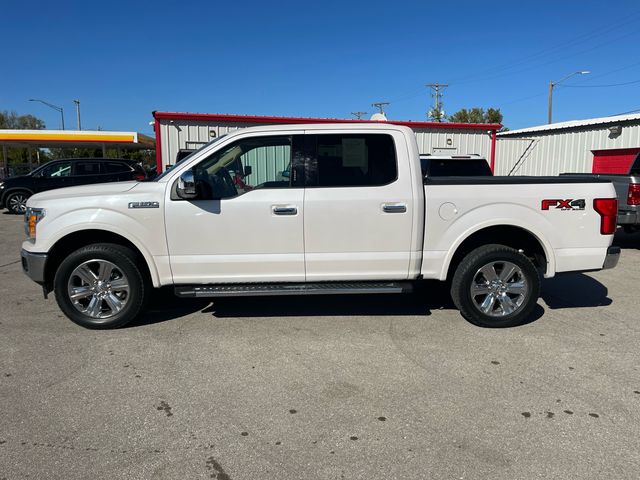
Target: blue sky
x=123, y=59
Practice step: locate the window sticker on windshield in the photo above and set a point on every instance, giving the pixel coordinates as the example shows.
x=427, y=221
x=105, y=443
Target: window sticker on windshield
x=354, y=152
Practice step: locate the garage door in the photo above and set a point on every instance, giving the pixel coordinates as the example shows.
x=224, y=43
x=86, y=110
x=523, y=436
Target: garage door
x=613, y=161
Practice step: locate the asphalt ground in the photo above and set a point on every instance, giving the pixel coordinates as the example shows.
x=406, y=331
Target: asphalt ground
x=366, y=387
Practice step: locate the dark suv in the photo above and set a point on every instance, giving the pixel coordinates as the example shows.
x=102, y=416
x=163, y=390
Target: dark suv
x=14, y=191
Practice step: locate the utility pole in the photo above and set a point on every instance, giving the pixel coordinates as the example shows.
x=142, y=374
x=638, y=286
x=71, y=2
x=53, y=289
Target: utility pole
x=77, y=102
x=358, y=115
x=380, y=106
x=436, y=113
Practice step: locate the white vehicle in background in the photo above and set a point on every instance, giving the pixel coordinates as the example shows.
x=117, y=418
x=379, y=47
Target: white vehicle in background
x=354, y=215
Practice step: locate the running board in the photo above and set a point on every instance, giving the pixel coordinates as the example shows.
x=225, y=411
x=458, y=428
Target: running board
x=271, y=289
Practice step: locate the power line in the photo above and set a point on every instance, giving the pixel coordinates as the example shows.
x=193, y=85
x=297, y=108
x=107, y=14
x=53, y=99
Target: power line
x=591, y=77
x=625, y=113
x=601, y=86
x=544, y=52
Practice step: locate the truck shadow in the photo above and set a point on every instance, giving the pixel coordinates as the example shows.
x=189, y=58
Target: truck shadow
x=428, y=296
x=574, y=290
x=164, y=306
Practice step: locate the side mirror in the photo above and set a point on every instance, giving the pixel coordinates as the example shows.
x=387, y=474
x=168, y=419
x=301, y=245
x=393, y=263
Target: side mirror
x=286, y=173
x=186, y=188
x=247, y=170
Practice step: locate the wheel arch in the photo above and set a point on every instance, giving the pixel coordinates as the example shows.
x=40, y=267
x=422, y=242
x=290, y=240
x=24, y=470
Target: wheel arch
x=78, y=239
x=512, y=236
x=11, y=190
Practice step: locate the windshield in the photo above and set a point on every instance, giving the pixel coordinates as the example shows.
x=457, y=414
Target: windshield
x=163, y=174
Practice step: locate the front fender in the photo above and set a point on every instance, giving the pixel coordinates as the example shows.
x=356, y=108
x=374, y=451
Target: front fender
x=146, y=233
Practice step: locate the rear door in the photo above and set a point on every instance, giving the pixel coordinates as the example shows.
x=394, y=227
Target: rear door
x=86, y=172
x=118, y=171
x=358, y=207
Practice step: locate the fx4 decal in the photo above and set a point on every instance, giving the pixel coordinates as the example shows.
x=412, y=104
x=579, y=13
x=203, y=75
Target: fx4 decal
x=559, y=204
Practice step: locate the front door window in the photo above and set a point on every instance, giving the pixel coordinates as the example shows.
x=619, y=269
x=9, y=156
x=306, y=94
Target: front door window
x=246, y=165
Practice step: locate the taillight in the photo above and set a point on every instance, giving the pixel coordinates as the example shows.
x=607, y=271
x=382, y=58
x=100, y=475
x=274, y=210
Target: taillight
x=633, y=197
x=608, y=210
x=139, y=176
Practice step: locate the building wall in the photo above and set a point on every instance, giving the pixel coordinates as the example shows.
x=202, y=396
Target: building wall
x=179, y=134
x=554, y=152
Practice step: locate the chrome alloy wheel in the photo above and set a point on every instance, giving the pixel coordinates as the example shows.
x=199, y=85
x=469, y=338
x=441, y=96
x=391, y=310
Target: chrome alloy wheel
x=499, y=289
x=98, y=289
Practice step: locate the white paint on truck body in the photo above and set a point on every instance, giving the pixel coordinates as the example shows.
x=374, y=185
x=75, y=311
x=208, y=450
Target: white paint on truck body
x=335, y=234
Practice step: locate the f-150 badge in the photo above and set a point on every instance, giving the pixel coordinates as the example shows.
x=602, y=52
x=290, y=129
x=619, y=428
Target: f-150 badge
x=569, y=204
x=144, y=204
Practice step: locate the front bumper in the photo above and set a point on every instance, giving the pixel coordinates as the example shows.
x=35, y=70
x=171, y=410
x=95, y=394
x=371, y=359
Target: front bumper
x=611, y=260
x=33, y=264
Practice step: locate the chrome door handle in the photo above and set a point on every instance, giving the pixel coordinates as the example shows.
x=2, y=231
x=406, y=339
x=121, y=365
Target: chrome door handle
x=394, y=208
x=285, y=210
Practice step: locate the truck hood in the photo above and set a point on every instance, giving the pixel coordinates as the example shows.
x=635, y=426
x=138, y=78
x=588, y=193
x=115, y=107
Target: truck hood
x=94, y=189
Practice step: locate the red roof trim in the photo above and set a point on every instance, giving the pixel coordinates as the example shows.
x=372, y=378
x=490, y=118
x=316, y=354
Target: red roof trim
x=301, y=120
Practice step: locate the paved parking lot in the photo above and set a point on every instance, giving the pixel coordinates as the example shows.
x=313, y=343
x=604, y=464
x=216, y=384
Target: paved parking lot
x=365, y=387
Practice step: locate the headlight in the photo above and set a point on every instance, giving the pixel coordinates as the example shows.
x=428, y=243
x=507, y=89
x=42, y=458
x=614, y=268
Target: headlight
x=31, y=218
x=1, y=185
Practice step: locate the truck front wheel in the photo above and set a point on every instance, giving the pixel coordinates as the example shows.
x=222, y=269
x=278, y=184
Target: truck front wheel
x=495, y=286
x=100, y=286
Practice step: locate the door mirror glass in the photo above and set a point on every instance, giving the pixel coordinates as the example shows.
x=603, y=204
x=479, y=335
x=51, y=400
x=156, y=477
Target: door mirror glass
x=186, y=187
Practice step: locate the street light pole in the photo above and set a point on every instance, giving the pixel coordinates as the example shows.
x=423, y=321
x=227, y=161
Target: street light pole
x=59, y=109
x=553, y=84
x=77, y=102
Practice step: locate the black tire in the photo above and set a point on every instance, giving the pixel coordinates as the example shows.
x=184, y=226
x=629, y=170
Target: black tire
x=496, y=302
x=98, y=297
x=16, y=202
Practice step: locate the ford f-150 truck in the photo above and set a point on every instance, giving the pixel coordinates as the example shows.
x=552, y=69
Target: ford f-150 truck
x=628, y=190
x=355, y=215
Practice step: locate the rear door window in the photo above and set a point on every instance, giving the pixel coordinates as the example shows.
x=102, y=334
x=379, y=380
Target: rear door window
x=352, y=160
x=86, y=168
x=115, y=167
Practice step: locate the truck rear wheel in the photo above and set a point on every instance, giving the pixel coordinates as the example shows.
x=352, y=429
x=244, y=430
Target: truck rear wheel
x=495, y=286
x=100, y=286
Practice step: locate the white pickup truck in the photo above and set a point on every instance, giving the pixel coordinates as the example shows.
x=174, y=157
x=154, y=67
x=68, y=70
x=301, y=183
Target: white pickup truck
x=353, y=215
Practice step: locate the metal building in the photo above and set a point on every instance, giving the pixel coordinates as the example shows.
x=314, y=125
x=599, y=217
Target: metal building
x=598, y=145
x=177, y=131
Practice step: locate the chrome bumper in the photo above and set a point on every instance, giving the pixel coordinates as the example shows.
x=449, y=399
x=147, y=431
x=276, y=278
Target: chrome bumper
x=33, y=265
x=628, y=217
x=611, y=260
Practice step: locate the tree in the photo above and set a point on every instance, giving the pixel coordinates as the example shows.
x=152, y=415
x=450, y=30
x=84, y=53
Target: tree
x=18, y=158
x=11, y=120
x=477, y=115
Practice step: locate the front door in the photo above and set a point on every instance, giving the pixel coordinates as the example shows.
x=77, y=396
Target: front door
x=247, y=223
x=358, y=210
x=54, y=175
